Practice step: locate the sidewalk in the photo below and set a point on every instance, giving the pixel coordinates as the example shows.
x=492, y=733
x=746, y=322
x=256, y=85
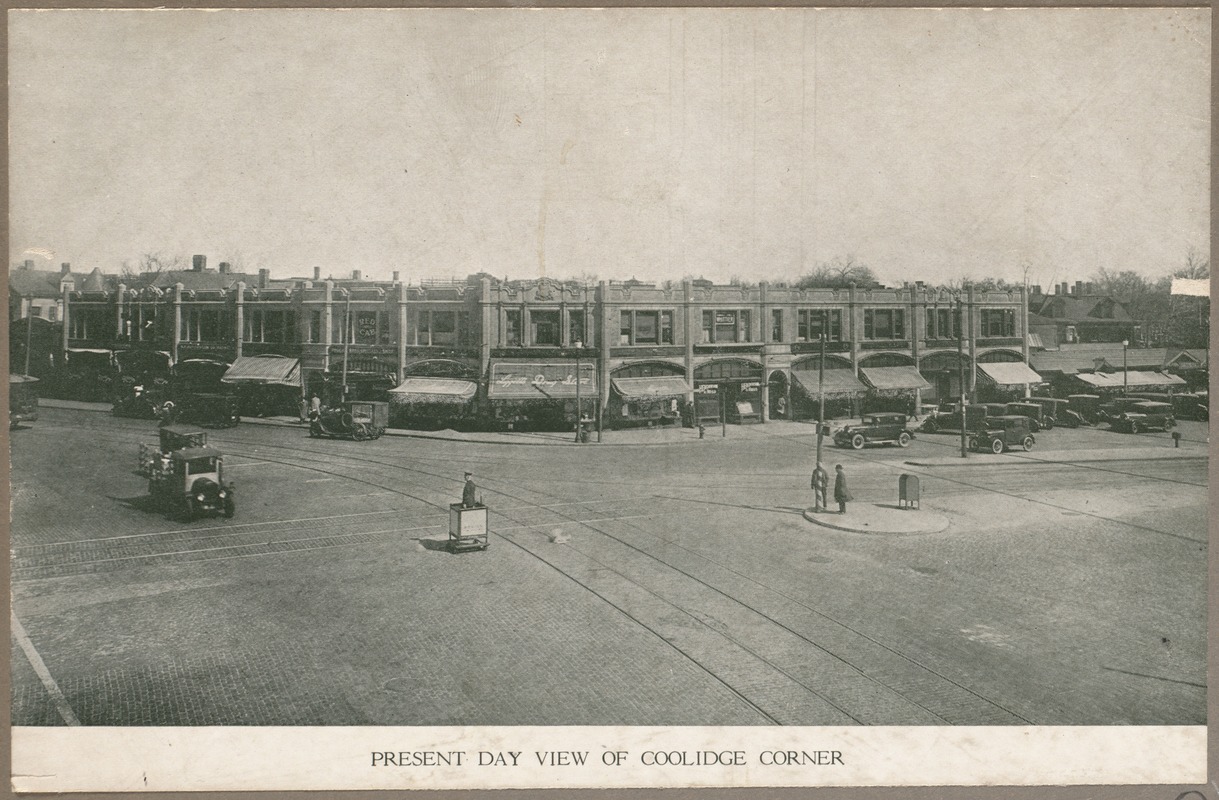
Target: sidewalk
x=1161, y=452
x=879, y=518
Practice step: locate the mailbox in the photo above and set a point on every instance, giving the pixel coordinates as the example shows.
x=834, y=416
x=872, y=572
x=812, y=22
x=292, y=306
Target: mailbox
x=908, y=491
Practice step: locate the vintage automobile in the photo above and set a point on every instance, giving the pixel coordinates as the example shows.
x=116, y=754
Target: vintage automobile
x=1001, y=433
x=354, y=419
x=1191, y=405
x=139, y=400
x=1085, y=406
x=946, y=417
x=1116, y=406
x=1036, y=414
x=22, y=400
x=1058, y=412
x=185, y=475
x=875, y=429
x=1145, y=415
x=200, y=408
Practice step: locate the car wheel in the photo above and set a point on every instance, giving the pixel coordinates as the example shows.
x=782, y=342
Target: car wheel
x=1172, y=423
x=1049, y=424
x=1135, y=428
x=857, y=441
x=1028, y=442
x=931, y=426
x=230, y=508
x=996, y=446
x=189, y=509
x=903, y=439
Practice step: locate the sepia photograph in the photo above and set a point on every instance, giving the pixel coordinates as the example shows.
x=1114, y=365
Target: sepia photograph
x=503, y=397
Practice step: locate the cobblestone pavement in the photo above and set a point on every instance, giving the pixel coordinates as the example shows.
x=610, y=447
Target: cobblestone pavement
x=625, y=585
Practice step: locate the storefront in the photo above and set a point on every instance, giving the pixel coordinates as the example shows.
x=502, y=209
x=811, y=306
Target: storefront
x=366, y=378
x=841, y=387
x=266, y=385
x=541, y=396
x=431, y=403
x=892, y=388
x=646, y=401
x=944, y=371
x=1004, y=381
x=728, y=390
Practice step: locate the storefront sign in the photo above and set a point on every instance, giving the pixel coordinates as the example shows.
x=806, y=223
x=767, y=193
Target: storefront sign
x=540, y=381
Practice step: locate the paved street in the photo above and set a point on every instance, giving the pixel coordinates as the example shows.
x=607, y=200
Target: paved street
x=625, y=584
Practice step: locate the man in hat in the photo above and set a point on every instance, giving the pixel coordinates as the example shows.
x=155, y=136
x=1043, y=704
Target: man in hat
x=468, y=498
x=840, y=489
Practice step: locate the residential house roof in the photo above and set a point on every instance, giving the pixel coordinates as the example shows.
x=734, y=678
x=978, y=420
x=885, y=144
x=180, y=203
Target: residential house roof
x=1057, y=308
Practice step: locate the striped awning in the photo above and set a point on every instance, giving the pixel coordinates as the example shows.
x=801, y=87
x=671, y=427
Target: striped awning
x=883, y=378
x=664, y=386
x=1010, y=373
x=264, y=370
x=837, y=382
x=1132, y=379
x=434, y=390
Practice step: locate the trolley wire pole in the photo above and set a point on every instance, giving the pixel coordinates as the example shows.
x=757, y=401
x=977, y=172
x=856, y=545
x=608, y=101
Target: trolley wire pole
x=346, y=342
x=961, y=371
x=821, y=389
x=579, y=415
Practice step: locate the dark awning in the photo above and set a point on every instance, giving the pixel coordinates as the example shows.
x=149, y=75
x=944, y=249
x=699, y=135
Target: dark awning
x=434, y=390
x=534, y=381
x=666, y=386
x=264, y=370
x=1010, y=373
x=883, y=378
x=837, y=381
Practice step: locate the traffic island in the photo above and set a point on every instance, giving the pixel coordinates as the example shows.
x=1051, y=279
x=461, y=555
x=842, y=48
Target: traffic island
x=879, y=518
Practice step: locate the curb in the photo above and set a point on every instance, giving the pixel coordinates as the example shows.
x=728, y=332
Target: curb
x=929, y=522
x=988, y=460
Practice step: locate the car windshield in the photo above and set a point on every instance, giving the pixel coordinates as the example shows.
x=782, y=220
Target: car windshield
x=204, y=464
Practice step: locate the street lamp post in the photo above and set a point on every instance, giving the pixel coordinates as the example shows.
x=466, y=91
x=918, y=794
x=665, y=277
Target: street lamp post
x=1125, y=373
x=821, y=389
x=579, y=345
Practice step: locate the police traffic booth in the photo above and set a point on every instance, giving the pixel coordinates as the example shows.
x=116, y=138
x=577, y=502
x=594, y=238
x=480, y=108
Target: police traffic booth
x=468, y=528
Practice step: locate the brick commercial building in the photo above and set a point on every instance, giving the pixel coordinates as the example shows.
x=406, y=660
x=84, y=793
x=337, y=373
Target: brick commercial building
x=508, y=352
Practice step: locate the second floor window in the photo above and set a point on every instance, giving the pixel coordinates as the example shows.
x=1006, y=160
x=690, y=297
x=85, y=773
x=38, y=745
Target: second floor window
x=721, y=327
x=575, y=329
x=812, y=322
x=646, y=327
x=776, y=325
x=437, y=327
x=943, y=323
x=315, y=327
x=512, y=328
x=202, y=325
x=998, y=322
x=884, y=323
x=270, y=325
x=90, y=323
x=544, y=328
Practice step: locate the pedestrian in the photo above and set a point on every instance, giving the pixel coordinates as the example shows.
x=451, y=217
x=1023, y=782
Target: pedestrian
x=315, y=407
x=468, y=492
x=820, y=483
x=840, y=489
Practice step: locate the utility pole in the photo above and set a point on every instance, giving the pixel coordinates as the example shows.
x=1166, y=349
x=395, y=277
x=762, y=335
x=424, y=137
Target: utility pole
x=961, y=372
x=821, y=388
x=346, y=341
x=29, y=334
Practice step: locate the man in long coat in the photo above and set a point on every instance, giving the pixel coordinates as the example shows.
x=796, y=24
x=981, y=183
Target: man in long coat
x=840, y=489
x=467, y=493
x=821, y=482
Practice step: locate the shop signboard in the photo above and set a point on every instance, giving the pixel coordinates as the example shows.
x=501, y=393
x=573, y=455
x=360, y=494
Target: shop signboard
x=540, y=381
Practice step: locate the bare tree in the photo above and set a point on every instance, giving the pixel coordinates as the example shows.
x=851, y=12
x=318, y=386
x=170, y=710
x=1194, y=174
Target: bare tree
x=149, y=266
x=839, y=273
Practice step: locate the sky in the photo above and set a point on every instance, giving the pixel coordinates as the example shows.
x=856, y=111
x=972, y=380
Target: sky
x=648, y=143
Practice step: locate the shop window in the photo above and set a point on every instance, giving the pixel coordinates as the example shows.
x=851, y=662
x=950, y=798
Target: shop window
x=998, y=322
x=776, y=325
x=812, y=322
x=884, y=323
x=512, y=328
x=646, y=327
x=943, y=323
x=268, y=325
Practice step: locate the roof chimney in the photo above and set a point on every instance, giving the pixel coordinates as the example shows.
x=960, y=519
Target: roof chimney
x=317, y=273
x=28, y=264
x=263, y=276
x=224, y=267
x=198, y=263
x=355, y=274
x=65, y=268
x=1090, y=287
x=396, y=280
x=1079, y=288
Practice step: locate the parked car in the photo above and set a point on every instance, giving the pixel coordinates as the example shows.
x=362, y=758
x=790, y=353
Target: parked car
x=1002, y=433
x=1086, y=407
x=355, y=419
x=1057, y=412
x=946, y=416
x=1191, y=405
x=1145, y=415
x=1038, y=419
x=1116, y=406
x=875, y=429
x=22, y=399
x=200, y=408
